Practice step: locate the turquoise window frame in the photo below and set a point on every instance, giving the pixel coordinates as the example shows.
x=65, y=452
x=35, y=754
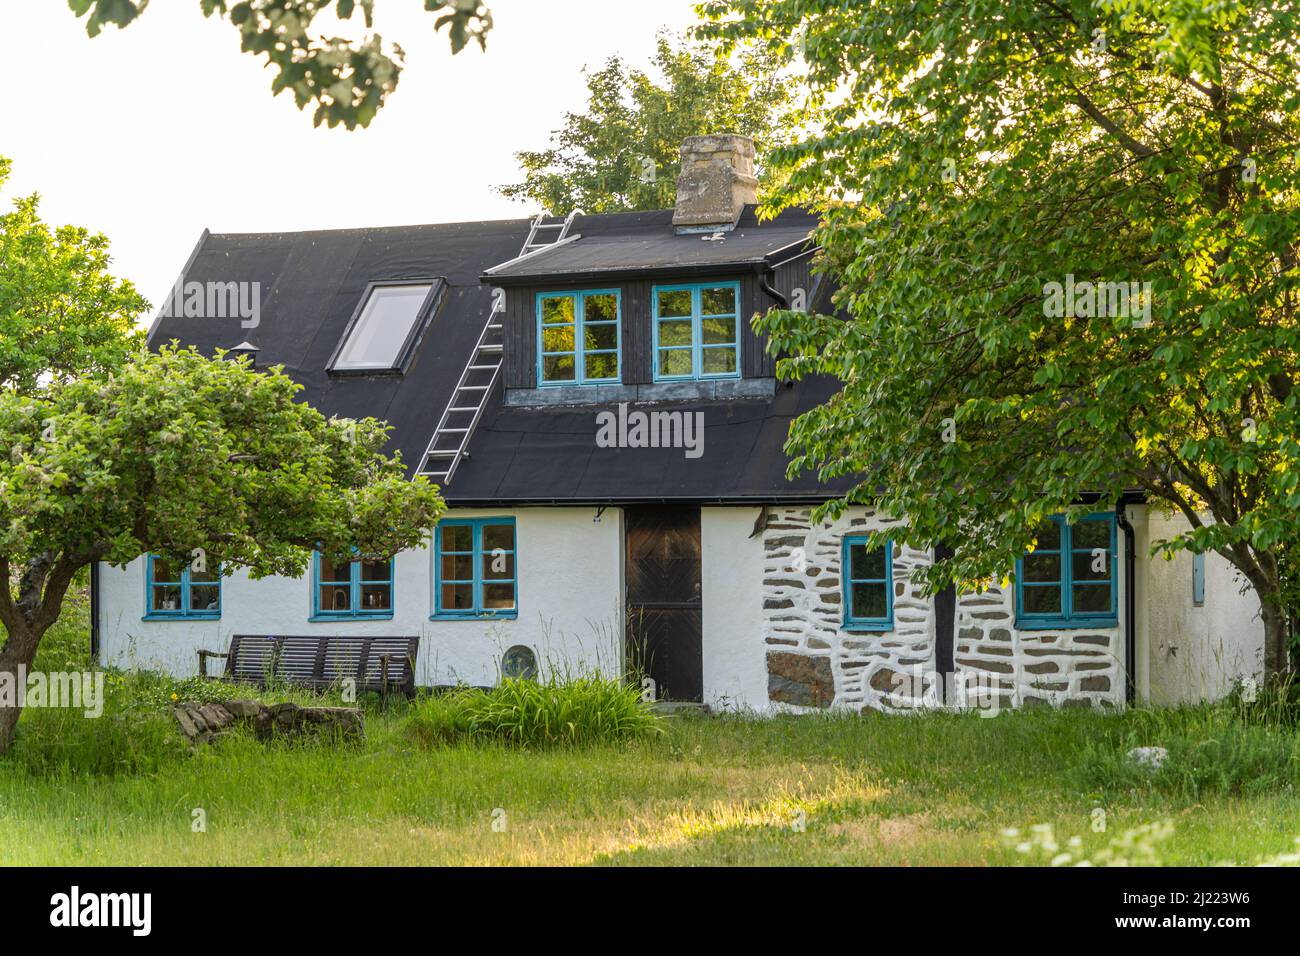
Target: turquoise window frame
x=1068, y=617
x=354, y=582
x=580, y=352
x=854, y=622
x=477, y=611
x=697, y=346
x=1198, y=580
x=185, y=583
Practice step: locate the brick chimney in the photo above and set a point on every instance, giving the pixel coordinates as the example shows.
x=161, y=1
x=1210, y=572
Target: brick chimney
x=716, y=182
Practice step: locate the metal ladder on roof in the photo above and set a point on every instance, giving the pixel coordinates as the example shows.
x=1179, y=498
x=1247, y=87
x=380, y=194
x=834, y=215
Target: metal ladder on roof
x=447, y=446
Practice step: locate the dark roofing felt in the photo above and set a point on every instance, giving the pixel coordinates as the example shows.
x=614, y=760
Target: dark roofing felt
x=312, y=283
x=638, y=242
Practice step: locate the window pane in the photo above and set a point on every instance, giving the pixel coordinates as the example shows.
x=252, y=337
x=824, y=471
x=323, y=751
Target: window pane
x=458, y=567
x=1042, y=600
x=457, y=537
x=498, y=565
x=674, y=302
x=376, y=597
x=335, y=598
x=869, y=600
x=1083, y=563
x=866, y=564
x=557, y=310
x=676, y=362
x=206, y=597
x=164, y=572
x=719, y=361
x=718, y=301
x=558, y=339
x=166, y=598
x=1049, y=536
x=498, y=597
x=674, y=333
x=211, y=574
x=385, y=322
x=600, y=337
x=376, y=570
x=718, y=331
x=602, y=366
x=335, y=571
x=457, y=597
x=600, y=308
x=1091, y=534
x=498, y=536
x=1092, y=599
x=557, y=368
x=1042, y=567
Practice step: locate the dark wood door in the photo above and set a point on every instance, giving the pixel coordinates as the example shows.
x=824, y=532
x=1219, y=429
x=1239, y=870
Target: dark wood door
x=665, y=626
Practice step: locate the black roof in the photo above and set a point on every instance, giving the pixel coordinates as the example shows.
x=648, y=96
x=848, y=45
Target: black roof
x=312, y=284
x=645, y=243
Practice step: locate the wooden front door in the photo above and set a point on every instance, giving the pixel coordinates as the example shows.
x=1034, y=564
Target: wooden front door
x=665, y=626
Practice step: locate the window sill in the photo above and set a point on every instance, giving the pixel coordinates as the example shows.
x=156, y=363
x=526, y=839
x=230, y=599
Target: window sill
x=195, y=616
x=475, y=616
x=678, y=390
x=866, y=627
x=321, y=618
x=1064, y=624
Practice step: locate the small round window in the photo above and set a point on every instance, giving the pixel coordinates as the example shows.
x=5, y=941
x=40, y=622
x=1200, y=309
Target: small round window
x=519, y=662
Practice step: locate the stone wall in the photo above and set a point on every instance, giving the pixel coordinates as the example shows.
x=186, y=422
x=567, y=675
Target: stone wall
x=812, y=662
x=1076, y=668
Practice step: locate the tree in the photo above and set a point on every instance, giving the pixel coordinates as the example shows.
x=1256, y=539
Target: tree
x=61, y=313
x=987, y=159
x=193, y=459
x=623, y=152
x=347, y=80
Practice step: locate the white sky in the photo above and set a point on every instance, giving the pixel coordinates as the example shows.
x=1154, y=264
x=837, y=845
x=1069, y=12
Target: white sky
x=151, y=133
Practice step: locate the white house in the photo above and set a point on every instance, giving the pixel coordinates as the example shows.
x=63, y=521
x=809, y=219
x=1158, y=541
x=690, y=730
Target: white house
x=608, y=432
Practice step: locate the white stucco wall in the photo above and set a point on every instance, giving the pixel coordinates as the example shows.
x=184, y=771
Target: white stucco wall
x=570, y=607
x=735, y=675
x=756, y=609
x=1198, y=653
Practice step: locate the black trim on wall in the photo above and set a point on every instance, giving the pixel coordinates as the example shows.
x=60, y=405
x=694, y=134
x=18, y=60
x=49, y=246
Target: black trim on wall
x=945, y=619
x=94, y=611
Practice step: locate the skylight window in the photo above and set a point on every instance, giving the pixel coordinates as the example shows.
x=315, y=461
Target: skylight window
x=383, y=330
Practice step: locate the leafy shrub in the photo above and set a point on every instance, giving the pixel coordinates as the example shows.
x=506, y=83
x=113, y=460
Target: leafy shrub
x=571, y=711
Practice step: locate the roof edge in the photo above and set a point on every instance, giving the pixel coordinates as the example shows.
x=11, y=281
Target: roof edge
x=185, y=270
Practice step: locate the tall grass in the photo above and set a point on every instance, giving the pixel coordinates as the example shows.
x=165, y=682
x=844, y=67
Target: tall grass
x=1212, y=750
x=573, y=711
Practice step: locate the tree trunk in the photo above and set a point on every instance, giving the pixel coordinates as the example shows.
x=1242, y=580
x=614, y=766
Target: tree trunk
x=1275, y=639
x=15, y=660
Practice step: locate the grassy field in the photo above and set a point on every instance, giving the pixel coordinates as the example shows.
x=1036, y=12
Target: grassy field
x=939, y=789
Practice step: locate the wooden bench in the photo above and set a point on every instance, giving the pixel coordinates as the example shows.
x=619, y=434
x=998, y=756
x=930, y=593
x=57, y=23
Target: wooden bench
x=380, y=664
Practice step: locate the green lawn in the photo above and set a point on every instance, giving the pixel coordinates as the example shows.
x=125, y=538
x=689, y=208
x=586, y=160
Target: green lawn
x=866, y=789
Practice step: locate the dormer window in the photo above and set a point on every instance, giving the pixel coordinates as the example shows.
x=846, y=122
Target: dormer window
x=386, y=326
x=696, y=331
x=578, y=337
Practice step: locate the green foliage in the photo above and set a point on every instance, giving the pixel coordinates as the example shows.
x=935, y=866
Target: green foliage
x=177, y=452
x=623, y=153
x=979, y=155
x=61, y=312
x=578, y=711
x=348, y=80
